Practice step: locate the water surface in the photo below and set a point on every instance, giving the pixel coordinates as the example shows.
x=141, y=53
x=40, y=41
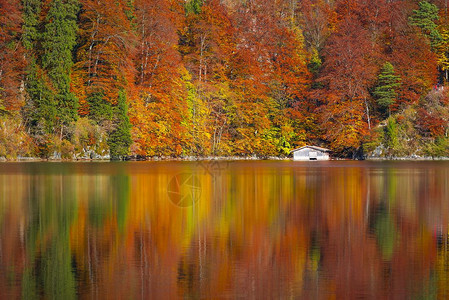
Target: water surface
x=264, y=229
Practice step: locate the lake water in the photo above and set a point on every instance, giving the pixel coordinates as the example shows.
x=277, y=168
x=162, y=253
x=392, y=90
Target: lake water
x=246, y=229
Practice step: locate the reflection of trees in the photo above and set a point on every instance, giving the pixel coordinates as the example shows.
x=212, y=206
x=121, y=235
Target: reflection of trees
x=52, y=208
x=257, y=231
x=386, y=232
x=54, y=212
x=442, y=267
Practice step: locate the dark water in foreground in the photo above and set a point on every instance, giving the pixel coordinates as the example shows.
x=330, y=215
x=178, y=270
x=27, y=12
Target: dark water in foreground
x=224, y=230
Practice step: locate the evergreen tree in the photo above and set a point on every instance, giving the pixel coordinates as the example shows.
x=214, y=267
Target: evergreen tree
x=386, y=84
x=194, y=6
x=120, y=138
x=391, y=135
x=58, y=41
x=425, y=18
x=31, y=12
x=39, y=111
x=100, y=109
x=49, y=46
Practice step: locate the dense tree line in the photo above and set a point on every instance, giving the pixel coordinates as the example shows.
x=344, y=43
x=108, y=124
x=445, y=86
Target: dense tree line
x=208, y=77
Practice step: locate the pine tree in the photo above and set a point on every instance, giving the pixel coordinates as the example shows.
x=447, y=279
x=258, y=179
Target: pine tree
x=425, y=18
x=100, y=108
x=49, y=43
x=120, y=138
x=391, y=135
x=58, y=41
x=386, y=84
x=194, y=6
x=31, y=12
x=39, y=111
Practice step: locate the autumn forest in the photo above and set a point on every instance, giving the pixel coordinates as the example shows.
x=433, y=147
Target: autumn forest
x=200, y=78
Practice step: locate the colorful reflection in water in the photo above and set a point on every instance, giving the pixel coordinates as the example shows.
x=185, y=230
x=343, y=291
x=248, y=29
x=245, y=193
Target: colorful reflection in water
x=224, y=230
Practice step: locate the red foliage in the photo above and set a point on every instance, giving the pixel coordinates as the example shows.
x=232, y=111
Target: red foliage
x=431, y=124
x=236, y=75
x=157, y=104
x=12, y=62
x=348, y=73
x=105, y=51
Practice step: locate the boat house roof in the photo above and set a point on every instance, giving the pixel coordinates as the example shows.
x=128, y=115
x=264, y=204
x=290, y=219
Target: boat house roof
x=316, y=148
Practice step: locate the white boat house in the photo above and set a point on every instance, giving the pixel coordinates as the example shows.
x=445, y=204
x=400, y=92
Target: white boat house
x=310, y=153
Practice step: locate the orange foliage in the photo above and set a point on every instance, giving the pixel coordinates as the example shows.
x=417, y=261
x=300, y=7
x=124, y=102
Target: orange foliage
x=234, y=77
x=157, y=107
x=12, y=61
x=431, y=124
x=348, y=73
x=105, y=51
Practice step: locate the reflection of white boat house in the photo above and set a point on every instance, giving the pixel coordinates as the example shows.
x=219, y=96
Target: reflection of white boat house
x=311, y=153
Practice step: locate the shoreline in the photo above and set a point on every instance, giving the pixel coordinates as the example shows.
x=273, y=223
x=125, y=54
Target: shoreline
x=214, y=158
x=134, y=159
x=406, y=158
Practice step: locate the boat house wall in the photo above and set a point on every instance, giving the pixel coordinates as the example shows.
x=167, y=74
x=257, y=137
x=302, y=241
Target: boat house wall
x=310, y=153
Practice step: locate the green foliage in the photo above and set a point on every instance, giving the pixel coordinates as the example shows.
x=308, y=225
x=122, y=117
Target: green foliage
x=100, y=109
x=387, y=83
x=193, y=6
x=391, y=134
x=40, y=109
x=425, y=18
x=51, y=107
x=58, y=42
x=280, y=139
x=31, y=11
x=120, y=138
x=437, y=148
